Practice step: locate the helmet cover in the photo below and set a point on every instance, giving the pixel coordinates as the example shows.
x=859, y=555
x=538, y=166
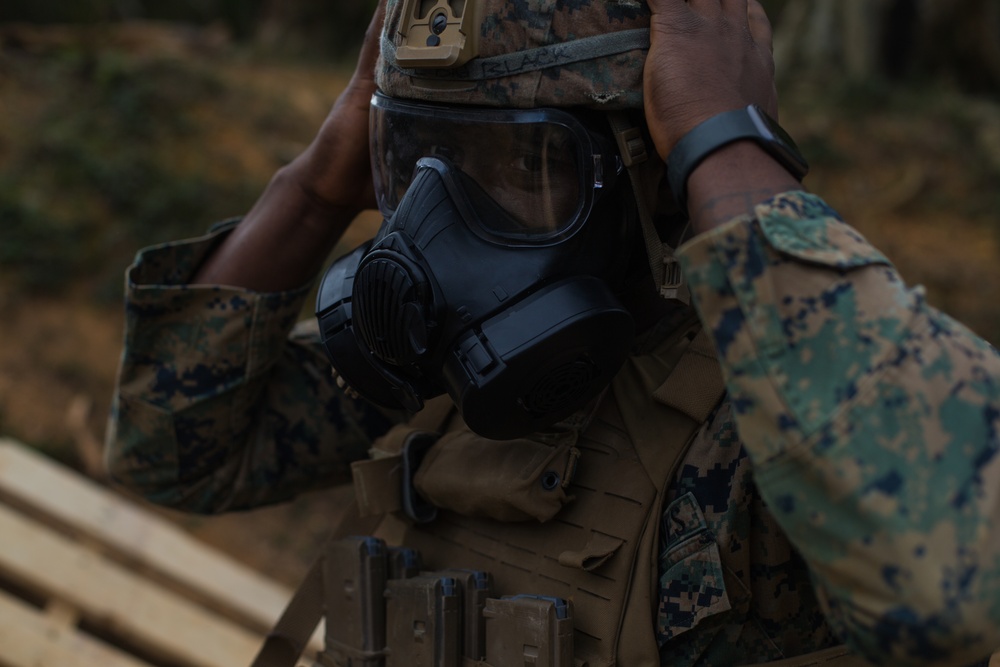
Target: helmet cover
x=528, y=53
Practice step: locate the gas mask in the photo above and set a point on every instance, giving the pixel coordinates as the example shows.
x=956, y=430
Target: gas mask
x=495, y=274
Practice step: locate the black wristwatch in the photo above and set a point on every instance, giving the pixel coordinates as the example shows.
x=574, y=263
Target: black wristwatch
x=728, y=127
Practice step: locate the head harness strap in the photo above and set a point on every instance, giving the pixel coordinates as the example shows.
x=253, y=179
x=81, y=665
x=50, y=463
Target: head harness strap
x=663, y=263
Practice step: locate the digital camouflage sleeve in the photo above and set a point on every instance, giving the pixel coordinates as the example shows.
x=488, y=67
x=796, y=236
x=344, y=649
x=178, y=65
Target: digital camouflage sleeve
x=213, y=410
x=872, y=423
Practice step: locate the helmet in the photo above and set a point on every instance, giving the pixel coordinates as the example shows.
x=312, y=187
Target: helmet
x=516, y=53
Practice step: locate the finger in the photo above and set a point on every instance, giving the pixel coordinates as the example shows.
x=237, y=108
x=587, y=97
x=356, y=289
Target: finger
x=668, y=8
x=760, y=25
x=357, y=94
x=706, y=8
x=672, y=16
x=737, y=9
x=370, y=47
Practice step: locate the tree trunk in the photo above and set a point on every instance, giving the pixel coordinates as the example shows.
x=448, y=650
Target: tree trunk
x=963, y=40
x=866, y=39
x=859, y=27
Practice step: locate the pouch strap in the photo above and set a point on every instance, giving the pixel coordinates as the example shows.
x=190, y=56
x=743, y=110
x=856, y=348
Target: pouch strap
x=696, y=384
x=663, y=376
x=594, y=553
x=378, y=484
x=384, y=483
x=288, y=638
x=286, y=641
x=661, y=436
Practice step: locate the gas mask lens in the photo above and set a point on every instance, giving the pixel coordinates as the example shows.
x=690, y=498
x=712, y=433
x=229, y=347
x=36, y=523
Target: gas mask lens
x=542, y=167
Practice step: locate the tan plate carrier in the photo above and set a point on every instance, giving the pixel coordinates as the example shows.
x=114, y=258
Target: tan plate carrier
x=592, y=538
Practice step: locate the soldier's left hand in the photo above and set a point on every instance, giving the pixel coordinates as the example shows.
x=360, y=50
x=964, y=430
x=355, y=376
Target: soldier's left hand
x=705, y=57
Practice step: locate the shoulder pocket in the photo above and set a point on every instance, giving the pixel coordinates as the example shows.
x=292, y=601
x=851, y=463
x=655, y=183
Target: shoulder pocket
x=692, y=585
x=806, y=228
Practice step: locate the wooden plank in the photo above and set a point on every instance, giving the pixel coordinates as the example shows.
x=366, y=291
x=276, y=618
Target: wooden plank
x=102, y=515
x=30, y=639
x=136, y=610
x=61, y=614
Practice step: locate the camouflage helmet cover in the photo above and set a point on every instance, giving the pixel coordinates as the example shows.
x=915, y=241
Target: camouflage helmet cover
x=532, y=53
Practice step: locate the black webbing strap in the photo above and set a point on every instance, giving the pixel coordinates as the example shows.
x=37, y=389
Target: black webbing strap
x=290, y=635
x=287, y=640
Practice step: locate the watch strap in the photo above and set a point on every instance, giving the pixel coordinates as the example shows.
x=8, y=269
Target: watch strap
x=749, y=123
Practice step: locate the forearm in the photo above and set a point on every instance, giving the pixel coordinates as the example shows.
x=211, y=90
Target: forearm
x=870, y=418
x=731, y=182
x=281, y=243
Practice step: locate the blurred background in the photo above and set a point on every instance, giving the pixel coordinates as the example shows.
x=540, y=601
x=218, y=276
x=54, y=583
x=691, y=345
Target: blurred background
x=130, y=122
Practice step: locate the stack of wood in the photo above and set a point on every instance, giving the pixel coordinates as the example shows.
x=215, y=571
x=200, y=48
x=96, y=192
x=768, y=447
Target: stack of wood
x=90, y=579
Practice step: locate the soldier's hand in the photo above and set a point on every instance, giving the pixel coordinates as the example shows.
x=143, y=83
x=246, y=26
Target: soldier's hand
x=336, y=168
x=705, y=57
x=283, y=241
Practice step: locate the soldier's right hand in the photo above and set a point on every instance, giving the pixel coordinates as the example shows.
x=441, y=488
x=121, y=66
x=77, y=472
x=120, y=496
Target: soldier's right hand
x=335, y=169
x=284, y=240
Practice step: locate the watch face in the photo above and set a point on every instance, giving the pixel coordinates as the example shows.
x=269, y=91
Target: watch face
x=783, y=141
x=768, y=126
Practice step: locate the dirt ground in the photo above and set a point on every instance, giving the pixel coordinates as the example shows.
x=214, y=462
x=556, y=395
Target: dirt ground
x=896, y=175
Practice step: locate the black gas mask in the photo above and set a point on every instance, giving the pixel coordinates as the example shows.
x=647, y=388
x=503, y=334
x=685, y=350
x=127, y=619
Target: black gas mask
x=496, y=272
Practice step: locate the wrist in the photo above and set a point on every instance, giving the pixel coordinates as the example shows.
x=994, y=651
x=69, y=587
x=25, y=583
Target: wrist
x=713, y=135
x=668, y=125
x=732, y=181
x=308, y=194
x=281, y=243
x=682, y=125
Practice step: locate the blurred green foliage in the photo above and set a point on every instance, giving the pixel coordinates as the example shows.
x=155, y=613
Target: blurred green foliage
x=315, y=27
x=108, y=169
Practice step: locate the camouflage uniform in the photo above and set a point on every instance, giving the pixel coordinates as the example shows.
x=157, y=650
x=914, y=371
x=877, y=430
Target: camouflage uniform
x=846, y=487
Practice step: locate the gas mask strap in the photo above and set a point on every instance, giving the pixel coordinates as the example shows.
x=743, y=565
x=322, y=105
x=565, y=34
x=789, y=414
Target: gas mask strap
x=663, y=264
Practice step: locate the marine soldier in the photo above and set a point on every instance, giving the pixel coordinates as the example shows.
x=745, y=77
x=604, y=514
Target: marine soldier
x=805, y=456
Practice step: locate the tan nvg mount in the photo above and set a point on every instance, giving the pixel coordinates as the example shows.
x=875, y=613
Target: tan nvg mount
x=438, y=33
x=383, y=611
